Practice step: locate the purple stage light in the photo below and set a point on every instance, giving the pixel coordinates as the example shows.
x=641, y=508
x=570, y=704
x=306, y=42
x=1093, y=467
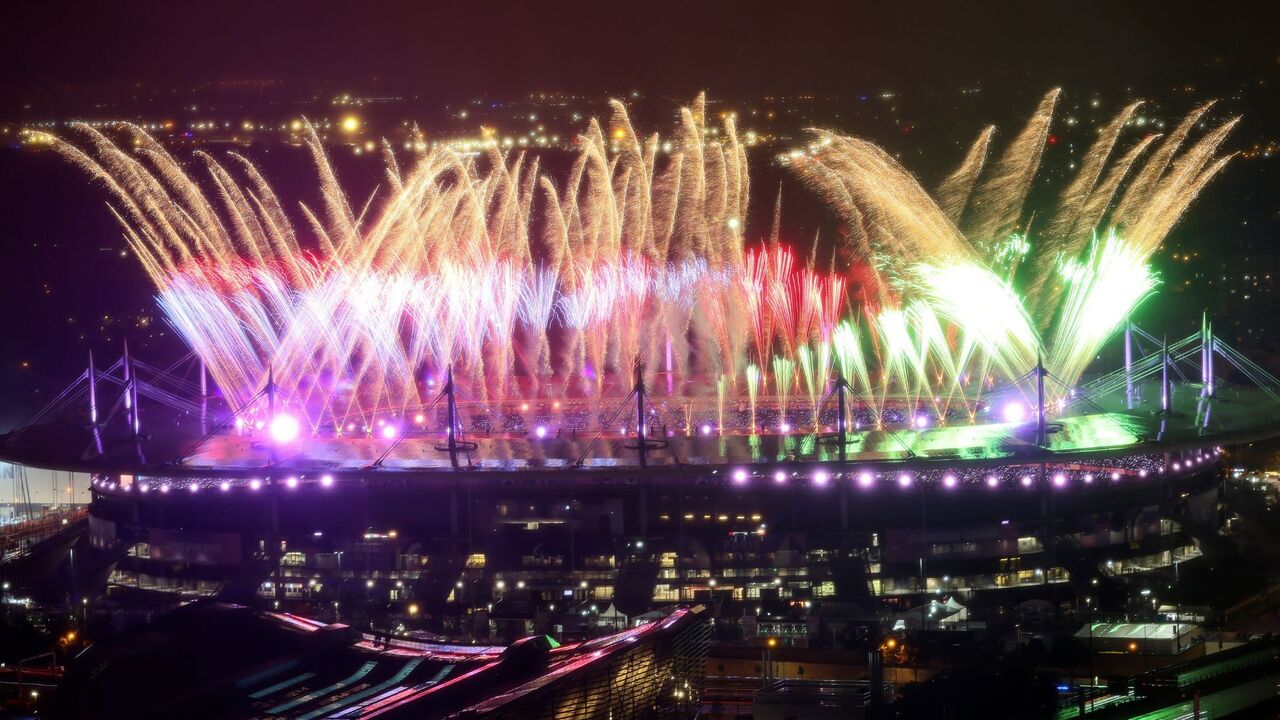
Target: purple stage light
x=255, y=484
x=1026, y=481
x=1014, y=412
x=992, y=481
x=821, y=478
x=291, y=482
x=326, y=481
x=740, y=476
x=866, y=479
x=540, y=431
x=949, y=481
x=904, y=480
x=780, y=477
x=224, y=486
x=284, y=428
x=1059, y=480
x=389, y=431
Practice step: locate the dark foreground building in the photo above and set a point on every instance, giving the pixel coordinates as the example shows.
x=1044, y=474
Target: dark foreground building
x=212, y=660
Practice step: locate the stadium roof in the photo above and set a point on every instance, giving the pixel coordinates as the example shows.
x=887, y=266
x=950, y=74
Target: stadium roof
x=172, y=443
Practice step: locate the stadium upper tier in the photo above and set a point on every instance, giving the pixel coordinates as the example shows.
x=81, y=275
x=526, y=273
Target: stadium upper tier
x=1087, y=431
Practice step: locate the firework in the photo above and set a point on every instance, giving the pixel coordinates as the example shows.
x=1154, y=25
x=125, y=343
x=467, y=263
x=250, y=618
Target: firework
x=536, y=288
x=964, y=254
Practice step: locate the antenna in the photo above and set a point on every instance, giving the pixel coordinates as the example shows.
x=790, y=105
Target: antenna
x=842, y=387
x=641, y=446
x=1041, y=435
x=93, y=393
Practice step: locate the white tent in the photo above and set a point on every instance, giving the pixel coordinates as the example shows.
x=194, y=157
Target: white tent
x=937, y=613
x=611, y=618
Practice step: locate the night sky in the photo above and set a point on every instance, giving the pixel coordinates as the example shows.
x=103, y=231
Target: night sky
x=455, y=48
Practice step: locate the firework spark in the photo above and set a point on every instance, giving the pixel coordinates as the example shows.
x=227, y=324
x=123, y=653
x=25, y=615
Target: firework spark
x=536, y=288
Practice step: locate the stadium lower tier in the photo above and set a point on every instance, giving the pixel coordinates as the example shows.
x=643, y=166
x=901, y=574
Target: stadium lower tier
x=499, y=556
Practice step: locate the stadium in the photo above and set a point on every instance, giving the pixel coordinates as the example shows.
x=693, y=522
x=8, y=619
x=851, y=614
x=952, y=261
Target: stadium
x=542, y=520
x=449, y=418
